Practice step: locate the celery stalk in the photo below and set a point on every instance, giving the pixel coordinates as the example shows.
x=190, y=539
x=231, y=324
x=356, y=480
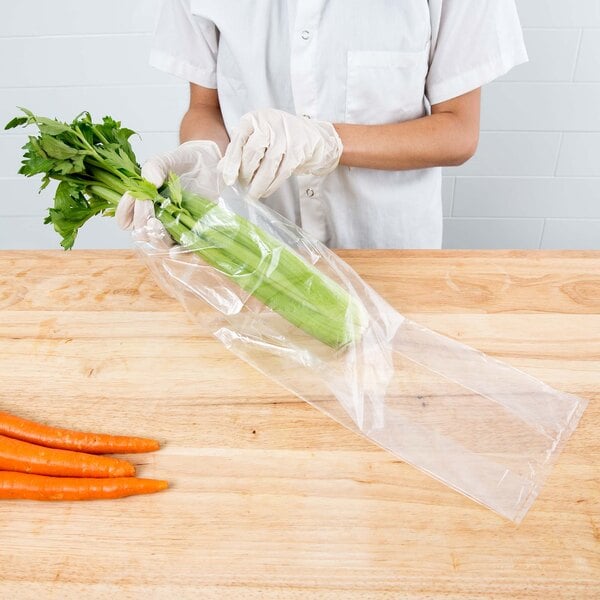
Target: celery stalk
x=95, y=165
x=271, y=272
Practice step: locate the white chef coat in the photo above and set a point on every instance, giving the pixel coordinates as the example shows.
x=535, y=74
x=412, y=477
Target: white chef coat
x=352, y=61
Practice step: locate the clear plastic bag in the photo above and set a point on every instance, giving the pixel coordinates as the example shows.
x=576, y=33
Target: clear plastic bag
x=471, y=421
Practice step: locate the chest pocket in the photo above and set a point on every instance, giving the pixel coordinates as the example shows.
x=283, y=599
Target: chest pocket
x=385, y=86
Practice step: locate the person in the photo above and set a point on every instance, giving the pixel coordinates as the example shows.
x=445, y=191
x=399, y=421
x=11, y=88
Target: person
x=338, y=114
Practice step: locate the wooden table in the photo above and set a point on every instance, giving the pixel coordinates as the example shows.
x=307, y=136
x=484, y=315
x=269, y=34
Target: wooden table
x=269, y=498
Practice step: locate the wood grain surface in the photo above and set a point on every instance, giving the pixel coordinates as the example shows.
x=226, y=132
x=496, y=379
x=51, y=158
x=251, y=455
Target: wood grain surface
x=270, y=498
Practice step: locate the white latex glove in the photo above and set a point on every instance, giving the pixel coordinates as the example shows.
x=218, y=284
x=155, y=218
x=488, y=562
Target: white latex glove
x=197, y=160
x=270, y=145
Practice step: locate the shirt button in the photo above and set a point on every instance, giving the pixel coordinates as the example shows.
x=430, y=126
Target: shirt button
x=310, y=192
x=305, y=34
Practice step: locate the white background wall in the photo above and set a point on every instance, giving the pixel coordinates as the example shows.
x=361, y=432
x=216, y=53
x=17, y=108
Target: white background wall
x=534, y=183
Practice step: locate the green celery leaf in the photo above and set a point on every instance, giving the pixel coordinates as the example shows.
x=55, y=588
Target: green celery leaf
x=51, y=126
x=34, y=148
x=87, y=131
x=129, y=164
x=78, y=164
x=175, y=190
x=36, y=164
x=83, y=117
x=54, y=148
x=16, y=122
x=71, y=211
x=45, y=182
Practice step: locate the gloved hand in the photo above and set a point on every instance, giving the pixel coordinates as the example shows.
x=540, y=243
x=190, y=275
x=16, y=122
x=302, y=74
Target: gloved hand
x=197, y=160
x=270, y=145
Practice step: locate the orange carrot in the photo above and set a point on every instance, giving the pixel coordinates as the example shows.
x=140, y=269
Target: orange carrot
x=38, y=487
x=16, y=455
x=66, y=439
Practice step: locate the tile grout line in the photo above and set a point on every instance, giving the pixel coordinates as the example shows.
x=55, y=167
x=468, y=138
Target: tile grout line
x=84, y=86
x=535, y=177
x=22, y=137
x=544, y=82
x=558, y=153
x=549, y=176
x=498, y=83
x=11, y=134
x=149, y=32
x=542, y=234
x=453, y=196
x=577, y=55
x=559, y=28
x=517, y=218
x=539, y=131
x=76, y=36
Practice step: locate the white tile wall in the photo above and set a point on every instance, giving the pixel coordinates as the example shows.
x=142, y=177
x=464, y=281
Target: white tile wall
x=559, y=13
x=579, y=155
x=552, y=56
x=525, y=197
x=19, y=198
x=79, y=60
x=492, y=233
x=535, y=181
x=523, y=106
x=513, y=153
x=448, y=184
x=143, y=108
x=588, y=64
x=25, y=233
x=578, y=234
x=29, y=18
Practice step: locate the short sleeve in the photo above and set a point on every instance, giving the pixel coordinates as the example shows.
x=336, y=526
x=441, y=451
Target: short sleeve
x=473, y=43
x=185, y=45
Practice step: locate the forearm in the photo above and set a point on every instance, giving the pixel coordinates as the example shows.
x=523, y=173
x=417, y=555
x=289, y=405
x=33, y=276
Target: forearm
x=428, y=142
x=203, y=122
x=448, y=137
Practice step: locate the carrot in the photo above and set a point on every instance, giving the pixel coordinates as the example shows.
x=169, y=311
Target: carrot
x=16, y=455
x=38, y=487
x=66, y=439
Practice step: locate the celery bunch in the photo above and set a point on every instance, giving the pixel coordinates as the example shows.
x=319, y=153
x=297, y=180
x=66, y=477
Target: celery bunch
x=95, y=164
